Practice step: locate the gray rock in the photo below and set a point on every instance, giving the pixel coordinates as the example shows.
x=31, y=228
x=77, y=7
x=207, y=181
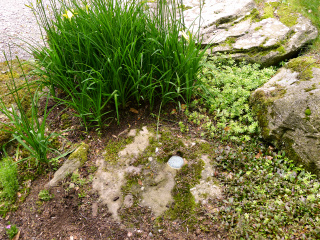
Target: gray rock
x=288, y=110
x=75, y=160
x=240, y=29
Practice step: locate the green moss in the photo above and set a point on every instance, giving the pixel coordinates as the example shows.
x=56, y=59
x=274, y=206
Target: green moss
x=307, y=112
x=281, y=49
x=113, y=147
x=261, y=103
x=80, y=153
x=313, y=87
x=185, y=207
x=5, y=135
x=303, y=65
x=230, y=40
x=283, y=11
x=65, y=120
x=258, y=28
x=287, y=16
x=17, y=71
x=268, y=11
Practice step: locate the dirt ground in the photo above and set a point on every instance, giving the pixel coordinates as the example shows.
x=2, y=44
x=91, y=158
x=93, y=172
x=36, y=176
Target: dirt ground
x=77, y=213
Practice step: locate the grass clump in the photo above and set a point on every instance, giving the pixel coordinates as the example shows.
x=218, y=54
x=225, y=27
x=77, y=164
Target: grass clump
x=24, y=123
x=116, y=53
x=227, y=88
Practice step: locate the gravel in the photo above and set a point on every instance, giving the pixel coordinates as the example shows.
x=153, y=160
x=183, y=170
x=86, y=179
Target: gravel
x=18, y=28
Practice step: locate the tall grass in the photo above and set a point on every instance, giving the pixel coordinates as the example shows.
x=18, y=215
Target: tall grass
x=115, y=53
x=26, y=125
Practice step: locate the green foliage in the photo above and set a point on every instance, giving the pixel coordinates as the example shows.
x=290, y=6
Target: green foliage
x=226, y=90
x=44, y=195
x=8, y=180
x=113, y=53
x=11, y=230
x=268, y=196
x=25, y=125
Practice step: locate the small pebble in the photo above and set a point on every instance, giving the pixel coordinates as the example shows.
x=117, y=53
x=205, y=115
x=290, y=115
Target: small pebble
x=115, y=198
x=150, y=159
x=150, y=234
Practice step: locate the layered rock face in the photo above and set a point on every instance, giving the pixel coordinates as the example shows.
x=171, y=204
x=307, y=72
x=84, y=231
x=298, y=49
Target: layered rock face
x=266, y=33
x=288, y=109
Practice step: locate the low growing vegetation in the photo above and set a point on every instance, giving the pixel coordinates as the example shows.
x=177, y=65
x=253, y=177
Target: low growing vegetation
x=226, y=88
x=104, y=58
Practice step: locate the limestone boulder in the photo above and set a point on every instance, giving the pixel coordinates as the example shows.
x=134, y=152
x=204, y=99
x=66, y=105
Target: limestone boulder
x=288, y=110
x=267, y=33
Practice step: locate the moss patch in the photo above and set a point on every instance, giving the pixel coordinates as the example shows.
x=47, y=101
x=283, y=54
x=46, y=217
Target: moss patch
x=303, y=65
x=81, y=153
x=115, y=146
x=17, y=74
x=268, y=11
x=287, y=16
x=282, y=11
x=261, y=103
x=184, y=206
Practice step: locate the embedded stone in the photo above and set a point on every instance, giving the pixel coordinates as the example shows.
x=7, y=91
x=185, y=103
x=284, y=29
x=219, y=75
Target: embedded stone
x=288, y=111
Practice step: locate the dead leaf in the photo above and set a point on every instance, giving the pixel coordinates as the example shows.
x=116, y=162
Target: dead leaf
x=18, y=195
x=174, y=111
x=259, y=154
x=183, y=106
x=140, y=182
x=134, y=110
x=115, y=136
x=269, y=157
x=227, y=129
x=16, y=237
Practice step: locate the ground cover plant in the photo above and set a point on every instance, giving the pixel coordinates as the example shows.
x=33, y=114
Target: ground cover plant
x=114, y=53
x=225, y=92
x=266, y=195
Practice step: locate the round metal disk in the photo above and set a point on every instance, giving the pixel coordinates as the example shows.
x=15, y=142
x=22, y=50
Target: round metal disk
x=176, y=162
